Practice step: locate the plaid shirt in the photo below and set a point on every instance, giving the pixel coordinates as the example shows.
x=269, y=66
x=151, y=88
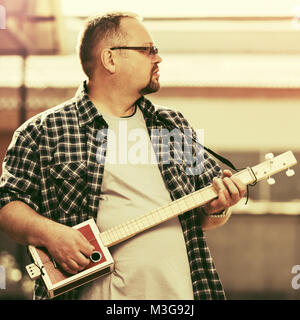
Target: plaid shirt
x=51, y=165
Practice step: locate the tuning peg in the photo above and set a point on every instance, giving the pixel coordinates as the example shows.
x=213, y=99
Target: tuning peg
x=271, y=181
x=290, y=172
x=269, y=156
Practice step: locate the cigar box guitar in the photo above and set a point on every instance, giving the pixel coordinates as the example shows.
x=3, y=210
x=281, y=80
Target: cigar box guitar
x=101, y=263
x=55, y=279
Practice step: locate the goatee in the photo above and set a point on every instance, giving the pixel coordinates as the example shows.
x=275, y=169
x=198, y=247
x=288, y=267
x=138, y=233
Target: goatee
x=152, y=86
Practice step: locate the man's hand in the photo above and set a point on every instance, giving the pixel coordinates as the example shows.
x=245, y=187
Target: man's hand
x=230, y=191
x=69, y=248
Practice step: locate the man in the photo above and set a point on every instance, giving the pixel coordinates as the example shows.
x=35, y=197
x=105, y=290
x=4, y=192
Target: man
x=60, y=171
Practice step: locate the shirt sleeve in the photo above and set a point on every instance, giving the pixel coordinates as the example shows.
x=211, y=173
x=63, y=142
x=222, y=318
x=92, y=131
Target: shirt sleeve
x=20, y=173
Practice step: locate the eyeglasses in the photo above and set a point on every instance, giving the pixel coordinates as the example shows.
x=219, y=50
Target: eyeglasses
x=152, y=50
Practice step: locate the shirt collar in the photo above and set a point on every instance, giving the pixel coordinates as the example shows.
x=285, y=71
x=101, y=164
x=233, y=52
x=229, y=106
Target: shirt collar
x=86, y=109
x=146, y=106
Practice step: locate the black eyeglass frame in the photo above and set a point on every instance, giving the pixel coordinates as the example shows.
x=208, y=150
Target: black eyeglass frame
x=152, y=50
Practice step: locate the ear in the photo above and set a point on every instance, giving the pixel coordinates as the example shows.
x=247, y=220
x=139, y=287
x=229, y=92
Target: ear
x=108, y=60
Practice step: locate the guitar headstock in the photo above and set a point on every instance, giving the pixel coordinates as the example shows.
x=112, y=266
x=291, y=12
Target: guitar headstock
x=273, y=165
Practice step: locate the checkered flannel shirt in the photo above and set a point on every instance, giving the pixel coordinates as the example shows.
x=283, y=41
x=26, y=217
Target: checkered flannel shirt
x=51, y=165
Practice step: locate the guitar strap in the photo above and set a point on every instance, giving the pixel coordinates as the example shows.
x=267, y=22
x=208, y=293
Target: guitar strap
x=222, y=159
x=216, y=155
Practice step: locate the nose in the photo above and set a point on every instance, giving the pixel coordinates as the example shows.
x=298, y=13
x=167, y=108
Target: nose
x=157, y=58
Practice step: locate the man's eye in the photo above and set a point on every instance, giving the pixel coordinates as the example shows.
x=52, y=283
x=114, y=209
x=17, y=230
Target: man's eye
x=145, y=51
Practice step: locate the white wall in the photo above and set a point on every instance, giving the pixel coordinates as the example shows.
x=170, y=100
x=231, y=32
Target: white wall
x=242, y=124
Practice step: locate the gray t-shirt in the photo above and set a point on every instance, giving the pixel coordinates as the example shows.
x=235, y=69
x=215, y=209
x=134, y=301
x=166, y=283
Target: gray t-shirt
x=154, y=263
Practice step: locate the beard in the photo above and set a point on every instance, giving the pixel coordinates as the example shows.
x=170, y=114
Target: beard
x=152, y=86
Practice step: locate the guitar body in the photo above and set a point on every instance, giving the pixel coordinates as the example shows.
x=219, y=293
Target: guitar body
x=55, y=279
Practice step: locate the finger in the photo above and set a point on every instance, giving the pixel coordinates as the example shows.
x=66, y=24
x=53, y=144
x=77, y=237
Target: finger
x=240, y=185
x=87, y=250
x=226, y=173
x=218, y=184
x=85, y=246
x=66, y=267
x=233, y=190
x=74, y=265
x=223, y=201
x=221, y=189
x=81, y=260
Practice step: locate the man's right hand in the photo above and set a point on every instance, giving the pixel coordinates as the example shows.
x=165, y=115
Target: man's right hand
x=69, y=248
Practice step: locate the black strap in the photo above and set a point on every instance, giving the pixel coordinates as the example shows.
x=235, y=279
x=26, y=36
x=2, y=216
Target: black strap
x=222, y=159
x=216, y=155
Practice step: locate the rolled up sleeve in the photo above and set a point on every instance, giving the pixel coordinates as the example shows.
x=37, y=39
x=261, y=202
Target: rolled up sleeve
x=20, y=179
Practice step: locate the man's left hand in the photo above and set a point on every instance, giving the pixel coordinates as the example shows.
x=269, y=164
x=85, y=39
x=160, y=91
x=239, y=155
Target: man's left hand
x=230, y=191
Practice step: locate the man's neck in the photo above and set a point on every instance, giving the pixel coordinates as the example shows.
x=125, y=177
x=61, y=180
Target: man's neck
x=111, y=101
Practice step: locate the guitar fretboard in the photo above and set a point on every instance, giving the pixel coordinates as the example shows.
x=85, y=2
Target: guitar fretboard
x=152, y=218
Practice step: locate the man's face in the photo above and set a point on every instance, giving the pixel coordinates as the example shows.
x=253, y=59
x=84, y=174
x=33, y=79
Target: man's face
x=139, y=69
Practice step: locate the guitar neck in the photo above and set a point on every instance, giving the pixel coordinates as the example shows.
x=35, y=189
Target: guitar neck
x=196, y=199
x=141, y=223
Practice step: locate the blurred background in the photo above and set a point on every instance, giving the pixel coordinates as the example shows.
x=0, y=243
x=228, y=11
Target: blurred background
x=231, y=67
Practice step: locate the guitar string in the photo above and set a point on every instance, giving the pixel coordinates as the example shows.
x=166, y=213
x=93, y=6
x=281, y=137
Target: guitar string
x=138, y=224
x=119, y=231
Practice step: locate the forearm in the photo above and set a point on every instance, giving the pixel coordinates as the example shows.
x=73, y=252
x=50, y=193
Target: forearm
x=25, y=226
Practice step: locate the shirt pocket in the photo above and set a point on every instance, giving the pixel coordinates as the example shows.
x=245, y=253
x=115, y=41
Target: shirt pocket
x=70, y=181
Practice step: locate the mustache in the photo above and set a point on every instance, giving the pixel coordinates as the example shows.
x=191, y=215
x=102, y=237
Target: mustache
x=155, y=69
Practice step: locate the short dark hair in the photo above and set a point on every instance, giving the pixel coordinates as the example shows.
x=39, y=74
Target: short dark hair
x=97, y=29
